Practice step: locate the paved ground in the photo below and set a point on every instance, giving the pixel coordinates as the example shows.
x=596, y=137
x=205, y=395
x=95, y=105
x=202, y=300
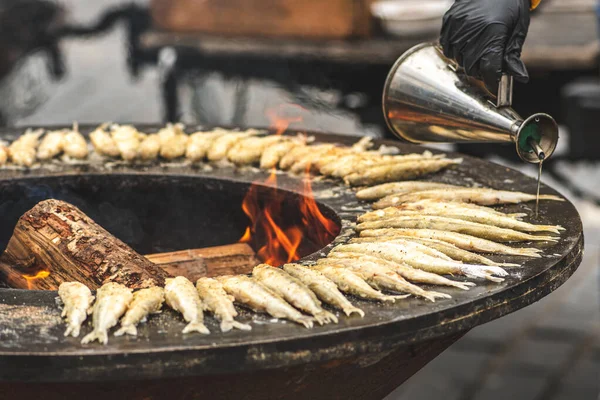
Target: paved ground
x=548, y=351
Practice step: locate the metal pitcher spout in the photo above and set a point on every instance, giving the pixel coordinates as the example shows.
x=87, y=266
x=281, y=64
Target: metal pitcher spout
x=428, y=99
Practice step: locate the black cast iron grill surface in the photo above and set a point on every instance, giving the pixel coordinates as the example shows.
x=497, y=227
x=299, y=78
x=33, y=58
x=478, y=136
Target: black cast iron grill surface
x=32, y=346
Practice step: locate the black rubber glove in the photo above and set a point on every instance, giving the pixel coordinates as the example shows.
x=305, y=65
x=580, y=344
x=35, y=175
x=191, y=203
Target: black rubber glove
x=485, y=37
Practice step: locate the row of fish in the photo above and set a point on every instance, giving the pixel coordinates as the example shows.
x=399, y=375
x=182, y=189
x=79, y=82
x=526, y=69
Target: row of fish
x=357, y=165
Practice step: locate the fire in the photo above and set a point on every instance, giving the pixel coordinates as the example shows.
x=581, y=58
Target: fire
x=269, y=225
x=39, y=275
x=282, y=116
x=277, y=237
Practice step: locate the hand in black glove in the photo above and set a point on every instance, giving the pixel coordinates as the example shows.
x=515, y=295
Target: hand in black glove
x=485, y=37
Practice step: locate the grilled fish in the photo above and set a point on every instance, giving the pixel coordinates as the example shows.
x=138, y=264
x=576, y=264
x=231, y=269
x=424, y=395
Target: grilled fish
x=200, y=142
x=395, y=188
x=112, y=300
x=173, y=141
x=305, y=162
x=448, y=249
x=182, y=296
x=219, y=303
x=454, y=207
x=150, y=147
x=454, y=225
x=127, y=139
x=484, y=197
x=272, y=155
x=380, y=276
x=51, y=145
x=407, y=272
x=103, y=142
x=400, y=171
x=296, y=153
x=23, y=150
x=77, y=300
x=293, y=291
x=145, y=301
x=326, y=290
x=465, y=242
x=74, y=144
x=352, y=283
x=466, y=215
x=258, y=297
x=249, y=150
x=221, y=145
x=403, y=253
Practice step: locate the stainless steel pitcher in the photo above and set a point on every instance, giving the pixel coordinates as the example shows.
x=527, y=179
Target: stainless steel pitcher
x=428, y=99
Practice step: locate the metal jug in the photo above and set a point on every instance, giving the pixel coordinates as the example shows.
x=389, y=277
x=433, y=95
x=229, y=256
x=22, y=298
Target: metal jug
x=428, y=99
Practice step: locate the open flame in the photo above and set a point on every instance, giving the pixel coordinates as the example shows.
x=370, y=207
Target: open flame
x=31, y=278
x=279, y=238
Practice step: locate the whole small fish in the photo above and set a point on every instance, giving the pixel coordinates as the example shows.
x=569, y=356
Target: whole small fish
x=249, y=150
x=454, y=225
x=403, y=253
x=145, y=301
x=77, y=300
x=103, y=142
x=364, y=166
x=173, y=141
x=462, y=241
x=400, y=171
x=326, y=290
x=182, y=296
x=395, y=188
x=293, y=291
x=449, y=249
x=74, y=144
x=380, y=276
x=221, y=145
x=200, y=142
x=451, y=206
x=23, y=150
x=258, y=297
x=112, y=300
x=127, y=139
x=272, y=155
x=481, y=196
x=150, y=147
x=219, y=303
x=305, y=162
x=407, y=272
x=466, y=215
x=51, y=145
x=352, y=283
x=290, y=158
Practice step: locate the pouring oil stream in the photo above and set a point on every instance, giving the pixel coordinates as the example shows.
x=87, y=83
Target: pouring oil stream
x=541, y=156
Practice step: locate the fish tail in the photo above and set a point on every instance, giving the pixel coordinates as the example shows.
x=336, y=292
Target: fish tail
x=73, y=330
x=100, y=336
x=226, y=326
x=438, y=295
x=462, y=285
x=196, y=327
x=350, y=310
x=127, y=329
x=325, y=317
x=306, y=321
x=544, y=238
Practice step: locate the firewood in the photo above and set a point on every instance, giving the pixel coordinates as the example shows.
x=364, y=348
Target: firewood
x=56, y=242
x=238, y=258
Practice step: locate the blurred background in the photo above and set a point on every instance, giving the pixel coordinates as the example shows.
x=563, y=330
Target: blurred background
x=323, y=65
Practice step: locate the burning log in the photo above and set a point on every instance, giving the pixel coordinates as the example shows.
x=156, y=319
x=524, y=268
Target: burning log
x=238, y=258
x=56, y=242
